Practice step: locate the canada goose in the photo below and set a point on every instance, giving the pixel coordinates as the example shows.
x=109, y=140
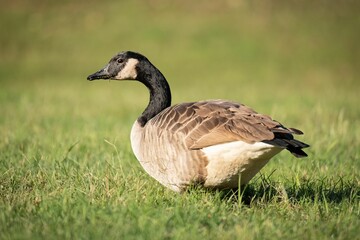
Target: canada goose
x=215, y=143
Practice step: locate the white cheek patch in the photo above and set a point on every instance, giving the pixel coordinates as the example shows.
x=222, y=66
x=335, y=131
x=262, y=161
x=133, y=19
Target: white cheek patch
x=129, y=71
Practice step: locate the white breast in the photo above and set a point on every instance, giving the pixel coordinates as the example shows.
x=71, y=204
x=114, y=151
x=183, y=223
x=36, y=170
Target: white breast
x=228, y=160
x=165, y=157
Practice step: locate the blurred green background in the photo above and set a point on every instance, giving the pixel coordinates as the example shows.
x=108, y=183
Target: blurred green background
x=299, y=45
x=298, y=61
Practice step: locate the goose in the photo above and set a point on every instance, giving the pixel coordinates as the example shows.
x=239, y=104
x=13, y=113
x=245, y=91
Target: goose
x=216, y=144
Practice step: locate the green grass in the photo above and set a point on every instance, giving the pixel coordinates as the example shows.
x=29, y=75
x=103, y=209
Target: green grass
x=66, y=166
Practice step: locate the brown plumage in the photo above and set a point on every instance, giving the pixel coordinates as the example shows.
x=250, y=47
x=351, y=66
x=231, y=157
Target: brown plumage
x=215, y=143
x=208, y=123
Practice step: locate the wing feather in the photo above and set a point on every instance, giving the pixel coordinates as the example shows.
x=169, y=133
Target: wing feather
x=208, y=123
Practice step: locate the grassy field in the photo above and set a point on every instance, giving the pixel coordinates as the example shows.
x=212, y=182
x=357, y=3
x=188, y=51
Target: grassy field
x=66, y=166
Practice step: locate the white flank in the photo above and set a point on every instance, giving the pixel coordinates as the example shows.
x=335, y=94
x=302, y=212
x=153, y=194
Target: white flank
x=129, y=71
x=237, y=161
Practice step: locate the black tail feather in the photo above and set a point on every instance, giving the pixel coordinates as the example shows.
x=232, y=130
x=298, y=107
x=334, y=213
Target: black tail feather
x=286, y=140
x=296, y=151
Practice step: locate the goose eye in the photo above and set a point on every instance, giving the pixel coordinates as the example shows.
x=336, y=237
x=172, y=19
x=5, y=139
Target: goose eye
x=120, y=60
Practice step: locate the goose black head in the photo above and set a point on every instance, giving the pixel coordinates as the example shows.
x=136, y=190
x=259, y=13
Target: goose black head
x=123, y=66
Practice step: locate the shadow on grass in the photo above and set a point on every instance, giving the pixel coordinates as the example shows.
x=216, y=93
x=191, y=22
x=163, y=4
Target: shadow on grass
x=264, y=190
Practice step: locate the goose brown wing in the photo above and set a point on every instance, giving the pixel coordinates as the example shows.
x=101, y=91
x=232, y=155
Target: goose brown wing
x=214, y=122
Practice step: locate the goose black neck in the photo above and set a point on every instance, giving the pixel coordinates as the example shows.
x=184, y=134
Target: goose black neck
x=160, y=95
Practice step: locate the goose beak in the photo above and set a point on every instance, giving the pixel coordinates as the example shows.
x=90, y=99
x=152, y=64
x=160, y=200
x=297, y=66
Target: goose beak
x=101, y=74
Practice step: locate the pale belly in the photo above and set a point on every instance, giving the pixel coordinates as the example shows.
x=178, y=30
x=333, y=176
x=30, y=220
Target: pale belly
x=234, y=163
